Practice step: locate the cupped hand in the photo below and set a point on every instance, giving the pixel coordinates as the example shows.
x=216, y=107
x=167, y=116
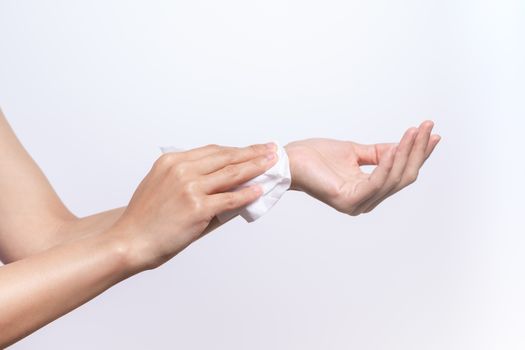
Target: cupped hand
x=182, y=193
x=330, y=170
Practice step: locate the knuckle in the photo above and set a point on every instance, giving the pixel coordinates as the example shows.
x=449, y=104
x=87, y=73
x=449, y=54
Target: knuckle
x=165, y=161
x=190, y=188
x=213, y=146
x=227, y=155
x=268, y=159
x=397, y=179
x=412, y=177
x=179, y=170
x=232, y=171
x=259, y=162
x=230, y=200
x=257, y=149
x=195, y=205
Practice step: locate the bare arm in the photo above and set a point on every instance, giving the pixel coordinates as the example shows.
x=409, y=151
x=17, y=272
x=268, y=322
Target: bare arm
x=326, y=169
x=33, y=218
x=38, y=289
x=330, y=170
x=28, y=204
x=42, y=287
x=64, y=261
x=174, y=205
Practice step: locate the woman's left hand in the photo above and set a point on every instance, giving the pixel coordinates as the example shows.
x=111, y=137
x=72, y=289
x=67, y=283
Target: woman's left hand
x=329, y=170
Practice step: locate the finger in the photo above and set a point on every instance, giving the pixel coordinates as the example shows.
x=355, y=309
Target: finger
x=234, y=155
x=368, y=188
x=198, y=152
x=236, y=174
x=207, y=150
x=170, y=158
x=400, y=161
x=371, y=154
x=432, y=143
x=434, y=140
x=417, y=156
x=221, y=202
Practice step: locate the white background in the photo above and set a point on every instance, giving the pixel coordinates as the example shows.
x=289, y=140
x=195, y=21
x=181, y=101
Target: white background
x=92, y=88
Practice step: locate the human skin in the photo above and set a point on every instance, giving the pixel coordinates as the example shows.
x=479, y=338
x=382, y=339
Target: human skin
x=329, y=170
x=169, y=210
x=57, y=261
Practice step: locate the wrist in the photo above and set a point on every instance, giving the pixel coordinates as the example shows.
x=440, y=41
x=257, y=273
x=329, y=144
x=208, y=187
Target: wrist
x=293, y=157
x=137, y=251
x=126, y=248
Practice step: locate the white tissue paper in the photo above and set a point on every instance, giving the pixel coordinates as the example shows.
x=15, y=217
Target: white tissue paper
x=274, y=183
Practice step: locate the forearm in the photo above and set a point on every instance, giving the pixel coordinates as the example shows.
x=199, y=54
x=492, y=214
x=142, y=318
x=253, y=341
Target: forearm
x=175, y=204
x=63, y=231
x=40, y=210
x=40, y=288
x=72, y=230
x=99, y=223
x=37, y=290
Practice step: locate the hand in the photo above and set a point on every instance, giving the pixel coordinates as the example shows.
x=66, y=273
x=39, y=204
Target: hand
x=329, y=170
x=181, y=194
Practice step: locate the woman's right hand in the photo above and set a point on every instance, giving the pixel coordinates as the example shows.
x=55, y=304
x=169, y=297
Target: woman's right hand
x=182, y=193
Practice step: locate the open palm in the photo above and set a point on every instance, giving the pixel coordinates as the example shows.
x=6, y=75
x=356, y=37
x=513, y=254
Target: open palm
x=330, y=170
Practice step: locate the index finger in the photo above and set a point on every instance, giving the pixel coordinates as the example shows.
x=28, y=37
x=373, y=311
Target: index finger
x=218, y=160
